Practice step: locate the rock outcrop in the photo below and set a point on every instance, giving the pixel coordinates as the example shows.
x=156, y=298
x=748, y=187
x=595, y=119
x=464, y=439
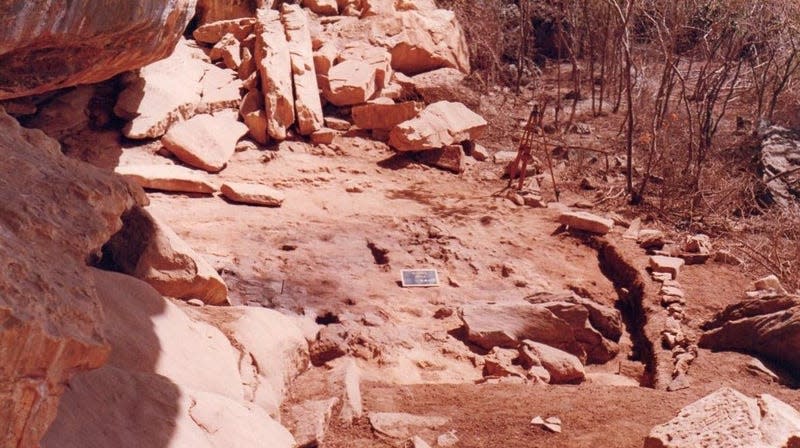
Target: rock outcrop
x=45, y=47
x=729, y=418
x=766, y=326
x=173, y=380
x=55, y=213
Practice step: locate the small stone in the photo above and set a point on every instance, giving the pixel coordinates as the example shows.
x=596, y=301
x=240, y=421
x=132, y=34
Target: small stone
x=698, y=244
x=534, y=201
x=679, y=382
x=672, y=291
x=246, y=145
x=693, y=258
x=726, y=257
x=504, y=157
x=756, y=367
x=588, y=183
x=195, y=302
x=447, y=439
x=480, y=153
x=770, y=282
x=651, y=239
x=552, y=424
x=516, y=198
x=337, y=124
x=633, y=230
x=668, y=265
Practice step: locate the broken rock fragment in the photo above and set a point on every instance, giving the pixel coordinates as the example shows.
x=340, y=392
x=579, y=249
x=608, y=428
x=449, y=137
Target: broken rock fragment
x=384, y=116
x=450, y=158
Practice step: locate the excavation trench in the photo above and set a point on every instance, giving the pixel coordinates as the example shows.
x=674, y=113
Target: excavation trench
x=630, y=289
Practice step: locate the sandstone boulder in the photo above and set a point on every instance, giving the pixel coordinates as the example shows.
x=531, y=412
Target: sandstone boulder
x=167, y=178
x=384, y=116
x=211, y=33
x=767, y=327
x=450, y=158
x=438, y=125
x=563, y=367
x=350, y=82
x=48, y=301
x=149, y=250
x=444, y=84
x=274, y=66
x=252, y=112
x=162, y=93
x=377, y=57
x=205, y=141
x=421, y=41
x=121, y=36
x=254, y=194
x=307, y=105
x=227, y=50
x=729, y=418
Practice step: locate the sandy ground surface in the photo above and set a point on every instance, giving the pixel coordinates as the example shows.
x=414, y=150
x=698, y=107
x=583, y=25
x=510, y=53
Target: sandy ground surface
x=312, y=256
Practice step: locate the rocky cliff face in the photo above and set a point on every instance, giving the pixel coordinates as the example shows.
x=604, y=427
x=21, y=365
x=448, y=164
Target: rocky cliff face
x=54, y=213
x=46, y=46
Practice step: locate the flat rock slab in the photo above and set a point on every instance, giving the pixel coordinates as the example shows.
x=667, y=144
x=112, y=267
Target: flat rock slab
x=587, y=222
x=254, y=194
x=399, y=425
x=167, y=178
x=438, y=125
x=727, y=418
x=205, y=141
x=667, y=265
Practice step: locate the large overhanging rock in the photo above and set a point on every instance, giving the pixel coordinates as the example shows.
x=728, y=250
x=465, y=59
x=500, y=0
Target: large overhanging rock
x=55, y=213
x=440, y=124
x=767, y=326
x=729, y=418
x=45, y=47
